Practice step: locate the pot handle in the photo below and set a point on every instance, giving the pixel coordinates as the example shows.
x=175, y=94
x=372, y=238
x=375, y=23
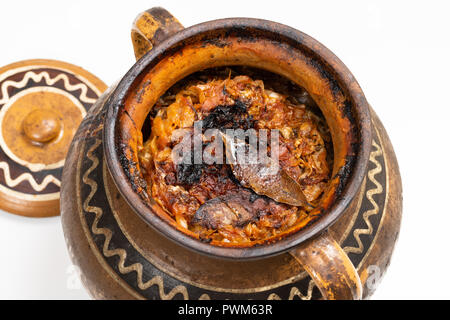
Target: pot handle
x=329, y=267
x=152, y=27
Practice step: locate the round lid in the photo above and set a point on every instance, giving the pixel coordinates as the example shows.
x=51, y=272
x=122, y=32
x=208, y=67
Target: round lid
x=42, y=103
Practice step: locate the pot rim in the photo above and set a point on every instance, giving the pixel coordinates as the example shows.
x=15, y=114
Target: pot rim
x=134, y=200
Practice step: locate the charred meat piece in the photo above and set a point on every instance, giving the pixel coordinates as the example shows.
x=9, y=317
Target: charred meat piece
x=231, y=117
x=233, y=209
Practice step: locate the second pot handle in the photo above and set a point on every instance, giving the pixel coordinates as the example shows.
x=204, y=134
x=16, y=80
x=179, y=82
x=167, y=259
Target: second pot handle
x=152, y=27
x=329, y=267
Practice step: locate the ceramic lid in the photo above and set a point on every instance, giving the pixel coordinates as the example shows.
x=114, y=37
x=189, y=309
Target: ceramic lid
x=42, y=103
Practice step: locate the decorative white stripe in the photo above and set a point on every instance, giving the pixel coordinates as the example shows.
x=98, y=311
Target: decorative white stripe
x=28, y=177
x=49, y=81
x=11, y=72
x=296, y=292
x=29, y=197
x=121, y=253
x=38, y=77
x=369, y=195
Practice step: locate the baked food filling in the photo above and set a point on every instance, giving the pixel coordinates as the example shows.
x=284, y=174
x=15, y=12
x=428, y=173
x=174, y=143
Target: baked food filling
x=211, y=198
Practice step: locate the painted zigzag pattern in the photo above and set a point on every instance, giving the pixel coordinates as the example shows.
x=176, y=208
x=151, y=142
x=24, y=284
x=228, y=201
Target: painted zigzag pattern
x=158, y=281
x=5, y=98
x=121, y=253
x=369, y=194
x=49, y=81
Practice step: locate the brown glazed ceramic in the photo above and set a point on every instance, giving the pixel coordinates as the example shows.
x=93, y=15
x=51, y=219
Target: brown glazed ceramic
x=126, y=249
x=42, y=103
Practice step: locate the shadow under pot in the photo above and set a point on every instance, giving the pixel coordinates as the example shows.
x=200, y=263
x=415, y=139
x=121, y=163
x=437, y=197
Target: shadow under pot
x=128, y=246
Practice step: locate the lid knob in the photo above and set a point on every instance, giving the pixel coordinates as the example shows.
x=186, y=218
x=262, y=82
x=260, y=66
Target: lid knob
x=41, y=125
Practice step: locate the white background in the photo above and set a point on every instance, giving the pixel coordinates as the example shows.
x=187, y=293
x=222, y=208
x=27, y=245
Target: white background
x=399, y=52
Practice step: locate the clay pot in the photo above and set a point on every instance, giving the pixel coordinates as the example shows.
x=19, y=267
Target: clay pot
x=126, y=248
